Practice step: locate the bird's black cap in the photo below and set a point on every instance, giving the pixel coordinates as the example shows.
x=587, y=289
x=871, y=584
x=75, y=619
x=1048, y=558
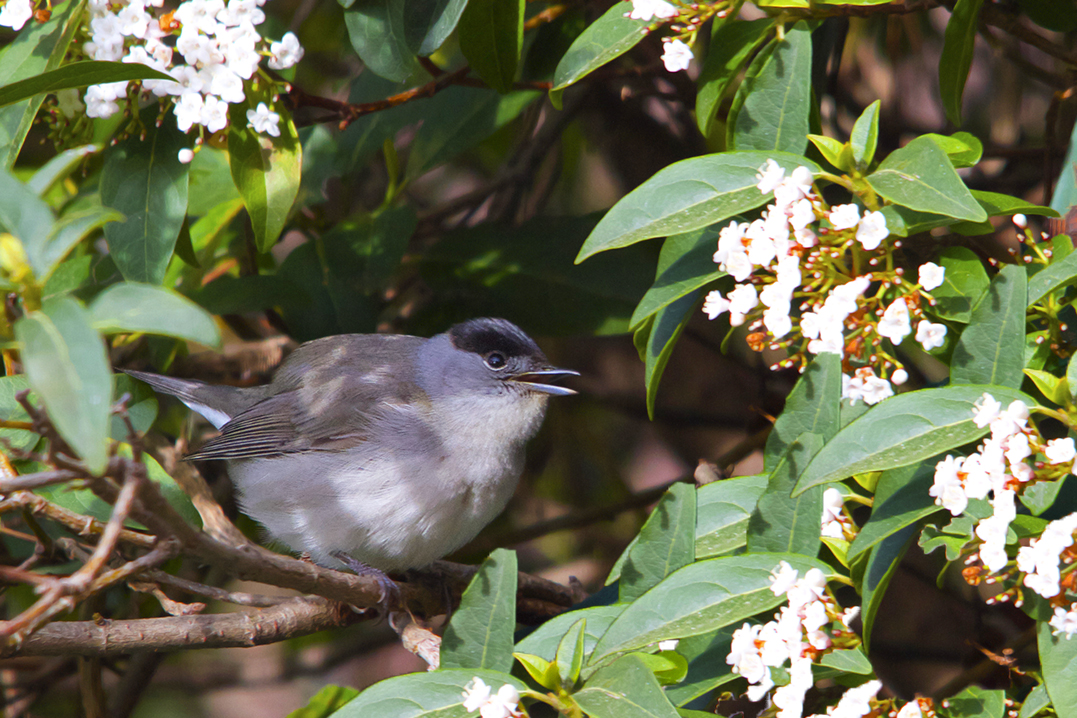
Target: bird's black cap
x=487, y=334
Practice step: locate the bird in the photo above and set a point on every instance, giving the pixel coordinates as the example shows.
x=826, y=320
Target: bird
x=380, y=452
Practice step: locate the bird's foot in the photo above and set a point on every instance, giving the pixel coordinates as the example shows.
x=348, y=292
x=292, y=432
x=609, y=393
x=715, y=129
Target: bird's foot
x=391, y=596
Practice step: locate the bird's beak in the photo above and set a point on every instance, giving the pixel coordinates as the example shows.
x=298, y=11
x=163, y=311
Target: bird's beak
x=535, y=380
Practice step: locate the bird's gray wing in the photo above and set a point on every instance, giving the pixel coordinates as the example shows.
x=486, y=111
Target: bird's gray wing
x=215, y=402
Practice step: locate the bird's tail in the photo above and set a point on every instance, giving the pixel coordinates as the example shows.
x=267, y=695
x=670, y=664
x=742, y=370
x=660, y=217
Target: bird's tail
x=217, y=403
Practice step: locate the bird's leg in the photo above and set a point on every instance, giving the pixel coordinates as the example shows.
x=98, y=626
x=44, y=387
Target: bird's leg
x=390, y=591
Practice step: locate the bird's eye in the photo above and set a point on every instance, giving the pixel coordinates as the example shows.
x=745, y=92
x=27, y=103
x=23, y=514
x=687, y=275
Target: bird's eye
x=495, y=360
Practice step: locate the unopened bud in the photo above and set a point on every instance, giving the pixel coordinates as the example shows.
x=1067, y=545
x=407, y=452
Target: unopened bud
x=1020, y=220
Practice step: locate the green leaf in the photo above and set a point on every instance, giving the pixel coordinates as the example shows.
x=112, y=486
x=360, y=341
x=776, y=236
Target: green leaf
x=128, y=307
x=570, y=654
x=666, y=329
x=666, y=543
x=832, y=150
x=1058, y=274
x=65, y=362
x=325, y=702
x=1071, y=378
x=685, y=196
x=36, y=49
x=59, y=168
x=964, y=283
x=976, y=702
x=773, y=114
x=1036, y=700
x=685, y=264
x=852, y=660
x=266, y=170
x=697, y=599
x=379, y=35
x=864, y=138
x=491, y=38
x=811, y=408
x=542, y=671
x=991, y=349
x=608, y=37
x=707, y=667
x=723, y=509
x=958, y=45
x=428, y=23
x=963, y=149
x=479, y=634
x=669, y=667
x=23, y=213
x=624, y=689
x=730, y=47
x=1051, y=386
x=903, y=430
x=1041, y=495
x=211, y=185
x=901, y=499
x=45, y=252
x=546, y=639
x=921, y=177
x=781, y=522
x=77, y=74
x=422, y=695
x=882, y=562
x=145, y=181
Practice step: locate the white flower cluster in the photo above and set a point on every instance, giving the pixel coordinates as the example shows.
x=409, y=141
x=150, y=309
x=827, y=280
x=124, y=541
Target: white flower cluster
x=16, y=13
x=651, y=9
x=835, y=524
x=1040, y=559
x=480, y=697
x=855, y=702
x=676, y=54
x=219, y=45
x=795, y=635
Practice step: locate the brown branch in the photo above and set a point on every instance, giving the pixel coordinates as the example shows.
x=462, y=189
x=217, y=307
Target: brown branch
x=296, y=617
x=82, y=525
x=40, y=479
x=997, y=17
x=198, y=589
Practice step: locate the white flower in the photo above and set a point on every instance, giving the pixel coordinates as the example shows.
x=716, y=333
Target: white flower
x=857, y=701
x=777, y=321
x=872, y=230
x=790, y=698
x=899, y=377
x=875, y=389
x=931, y=276
x=677, y=56
x=262, y=119
x=480, y=697
x=910, y=710
x=285, y=53
x=808, y=589
x=895, y=324
x=782, y=578
x=743, y=642
x=815, y=616
x=844, y=216
x=802, y=214
x=1020, y=220
x=832, y=504
x=1018, y=449
x=650, y=9
x=134, y=19
x=714, y=304
x=186, y=155
x=1064, y=621
x=214, y=114
x=476, y=694
x=1010, y=420
x=100, y=102
x=742, y=300
x=947, y=489
x=670, y=645
x=849, y=615
x=770, y=176
x=930, y=335
x=68, y=102
x=1060, y=451
x=16, y=13
x=226, y=85
x=188, y=110
x=987, y=410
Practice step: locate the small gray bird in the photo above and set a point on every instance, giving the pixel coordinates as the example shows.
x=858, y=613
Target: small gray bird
x=380, y=451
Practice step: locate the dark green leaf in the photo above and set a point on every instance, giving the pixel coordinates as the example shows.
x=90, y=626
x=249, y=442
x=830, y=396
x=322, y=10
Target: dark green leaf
x=128, y=307
x=11, y=410
x=666, y=543
x=991, y=349
x=730, y=47
x=1036, y=700
x=976, y=702
x=1057, y=15
x=865, y=135
x=901, y=499
x=668, y=324
x=66, y=364
x=698, y=599
x=23, y=213
x=379, y=35
x=422, y=695
x=428, y=23
x=964, y=284
x=668, y=667
x=141, y=407
x=707, y=668
x=998, y=205
x=145, y=181
x=325, y=702
x=685, y=264
x=963, y=149
x=852, y=660
x=77, y=74
x=882, y=562
x=608, y=37
x=781, y=522
x=921, y=177
x=266, y=171
x=957, y=49
x=687, y=195
x=722, y=512
x=546, y=639
x=624, y=689
x=479, y=634
x=904, y=430
x=1055, y=275
x=570, y=654
x=211, y=184
x=1041, y=495
x=811, y=408
x=58, y=168
x=491, y=38
x=776, y=100
x=45, y=252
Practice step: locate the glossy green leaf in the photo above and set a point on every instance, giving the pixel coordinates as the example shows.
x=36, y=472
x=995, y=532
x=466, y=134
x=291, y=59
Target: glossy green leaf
x=11, y=410
x=77, y=74
x=129, y=307
x=325, y=702
x=546, y=639
x=957, y=49
x=852, y=660
x=608, y=37
x=773, y=114
x=1051, y=386
x=1041, y=495
x=666, y=543
x=570, y=654
x=864, y=138
x=991, y=349
x=685, y=264
x=964, y=283
x=921, y=177
x=1036, y=700
x=903, y=430
x=831, y=150
x=422, y=695
x=882, y=562
x=977, y=702
x=59, y=168
x=491, y=38
x=697, y=599
x=65, y=361
x=812, y=407
x=266, y=171
x=707, y=667
x=174, y=495
x=541, y=671
x=37, y=48
x=730, y=47
x=45, y=252
x=780, y=521
x=723, y=509
x=145, y=181
x=23, y=213
x=1059, y=273
x=479, y=634
x=669, y=322
x=901, y=499
x=378, y=33
x=624, y=689
x=963, y=149
x=687, y=195
x=668, y=667
x=428, y=23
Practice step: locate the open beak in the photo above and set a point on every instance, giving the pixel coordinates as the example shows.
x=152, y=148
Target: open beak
x=536, y=380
